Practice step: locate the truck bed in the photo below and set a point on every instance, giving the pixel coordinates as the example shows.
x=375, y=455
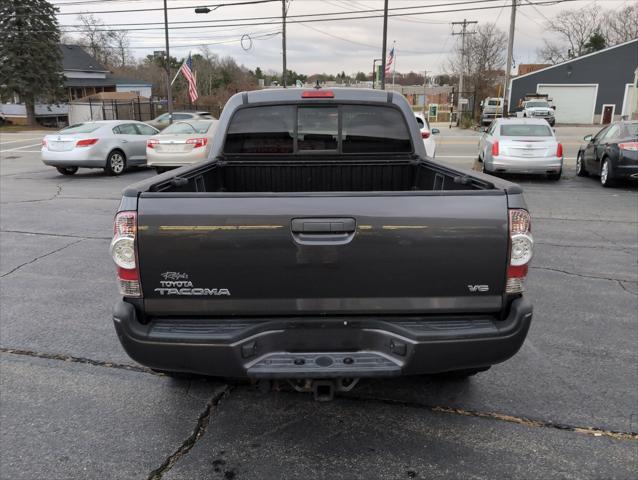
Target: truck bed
x=274, y=175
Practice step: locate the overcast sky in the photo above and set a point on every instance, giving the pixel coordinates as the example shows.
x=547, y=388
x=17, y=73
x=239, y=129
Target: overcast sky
x=422, y=41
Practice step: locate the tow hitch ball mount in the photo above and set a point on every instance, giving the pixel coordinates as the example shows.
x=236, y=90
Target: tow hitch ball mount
x=324, y=389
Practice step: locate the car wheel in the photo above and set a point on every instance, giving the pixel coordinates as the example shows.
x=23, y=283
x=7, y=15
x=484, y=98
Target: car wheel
x=67, y=170
x=580, y=166
x=115, y=163
x=555, y=176
x=606, y=174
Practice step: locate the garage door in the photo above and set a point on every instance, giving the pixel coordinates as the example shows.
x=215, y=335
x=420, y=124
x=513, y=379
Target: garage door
x=574, y=103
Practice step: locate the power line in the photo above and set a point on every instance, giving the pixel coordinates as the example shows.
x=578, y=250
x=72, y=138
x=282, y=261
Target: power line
x=315, y=20
x=311, y=15
x=215, y=6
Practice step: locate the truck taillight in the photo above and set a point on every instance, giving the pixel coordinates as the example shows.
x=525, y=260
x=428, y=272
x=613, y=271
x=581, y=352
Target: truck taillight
x=521, y=249
x=495, y=149
x=124, y=254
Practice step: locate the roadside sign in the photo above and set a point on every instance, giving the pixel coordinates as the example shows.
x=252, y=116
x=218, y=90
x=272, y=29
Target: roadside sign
x=433, y=110
x=464, y=101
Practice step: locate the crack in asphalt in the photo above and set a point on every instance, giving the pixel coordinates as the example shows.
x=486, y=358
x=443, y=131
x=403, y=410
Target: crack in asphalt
x=83, y=360
x=203, y=421
x=200, y=429
x=55, y=195
x=55, y=235
x=528, y=422
x=39, y=257
x=610, y=279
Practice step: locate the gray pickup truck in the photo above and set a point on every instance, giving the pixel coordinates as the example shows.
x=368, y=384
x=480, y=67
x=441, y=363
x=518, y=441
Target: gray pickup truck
x=320, y=245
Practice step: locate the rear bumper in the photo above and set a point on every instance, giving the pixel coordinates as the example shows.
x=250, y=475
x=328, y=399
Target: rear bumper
x=507, y=164
x=322, y=347
x=78, y=157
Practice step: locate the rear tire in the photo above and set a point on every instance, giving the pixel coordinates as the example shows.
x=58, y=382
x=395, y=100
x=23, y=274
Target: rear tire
x=581, y=171
x=115, y=163
x=67, y=170
x=555, y=176
x=606, y=174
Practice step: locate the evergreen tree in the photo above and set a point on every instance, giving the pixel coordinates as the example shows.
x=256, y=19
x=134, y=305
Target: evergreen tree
x=29, y=52
x=596, y=42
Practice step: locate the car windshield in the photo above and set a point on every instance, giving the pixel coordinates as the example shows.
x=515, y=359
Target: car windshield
x=188, y=127
x=81, y=128
x=523, y=130
x=632, y=129
x=537, y=104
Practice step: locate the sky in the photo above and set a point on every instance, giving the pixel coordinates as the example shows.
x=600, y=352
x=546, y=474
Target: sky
x=423, y=42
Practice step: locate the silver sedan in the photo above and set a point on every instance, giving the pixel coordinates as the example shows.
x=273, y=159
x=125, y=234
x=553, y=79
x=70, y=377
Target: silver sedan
x=112, y=145
x=521, y=145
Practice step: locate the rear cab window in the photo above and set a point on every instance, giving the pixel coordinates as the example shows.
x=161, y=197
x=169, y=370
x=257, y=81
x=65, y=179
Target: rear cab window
x=302, y=129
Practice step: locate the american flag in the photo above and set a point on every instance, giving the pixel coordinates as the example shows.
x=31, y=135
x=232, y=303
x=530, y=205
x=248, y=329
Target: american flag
x=389, y=61
x=191, y=78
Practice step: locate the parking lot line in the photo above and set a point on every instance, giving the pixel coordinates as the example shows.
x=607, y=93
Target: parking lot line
x=18, y=141
x=20, y=148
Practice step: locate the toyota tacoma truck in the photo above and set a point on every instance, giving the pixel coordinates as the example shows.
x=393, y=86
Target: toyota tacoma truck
x=319, y=244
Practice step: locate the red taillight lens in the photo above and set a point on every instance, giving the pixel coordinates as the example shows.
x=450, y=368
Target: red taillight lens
x=521, y=249
x=425, y=134
x=559, y=150
x=123, y=251
x=151, y=142
x=318, y=94
x=197, y=142
x=87, y=142
x=632, y=146
x=495, y=149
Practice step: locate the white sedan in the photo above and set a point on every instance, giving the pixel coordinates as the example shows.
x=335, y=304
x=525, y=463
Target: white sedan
x=427, y=134
x=181, y=143
x=112, y=145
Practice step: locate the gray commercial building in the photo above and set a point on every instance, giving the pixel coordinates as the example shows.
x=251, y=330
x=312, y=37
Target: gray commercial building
x=595, y=88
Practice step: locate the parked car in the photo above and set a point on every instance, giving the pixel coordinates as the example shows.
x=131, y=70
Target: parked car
x=521, y=145
x=491, y=108
x=112, y=145
x=162, y=121
x=320, y=244
x=181, y=143
x=611, y=154
x=427, y=134
x=539, y=109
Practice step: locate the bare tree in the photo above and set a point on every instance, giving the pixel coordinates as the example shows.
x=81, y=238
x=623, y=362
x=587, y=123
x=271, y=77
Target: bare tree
x=621, y=25
x=576, y=29
x=108, y=47
x=484, y=60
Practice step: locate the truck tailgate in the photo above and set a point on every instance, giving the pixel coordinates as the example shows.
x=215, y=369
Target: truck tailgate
x=318, y=254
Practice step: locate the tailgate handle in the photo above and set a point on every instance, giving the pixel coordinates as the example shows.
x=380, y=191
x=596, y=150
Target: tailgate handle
x=323, y=225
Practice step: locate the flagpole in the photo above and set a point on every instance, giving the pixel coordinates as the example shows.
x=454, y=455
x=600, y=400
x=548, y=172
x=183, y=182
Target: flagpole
x=177, y=74
x=394, y=64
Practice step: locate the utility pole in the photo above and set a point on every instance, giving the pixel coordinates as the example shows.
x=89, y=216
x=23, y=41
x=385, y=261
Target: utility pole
x=425, y=81
x=385, y=41
x=283, y=40
x=510, y=54
x=463, y=33
x=168, y=68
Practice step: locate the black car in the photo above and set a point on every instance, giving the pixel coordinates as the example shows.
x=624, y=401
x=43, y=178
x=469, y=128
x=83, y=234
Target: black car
x=612, y=153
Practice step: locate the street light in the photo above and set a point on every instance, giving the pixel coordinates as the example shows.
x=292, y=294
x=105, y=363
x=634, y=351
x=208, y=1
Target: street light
x=203, y=10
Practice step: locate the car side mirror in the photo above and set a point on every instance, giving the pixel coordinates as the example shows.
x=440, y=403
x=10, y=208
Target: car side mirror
x=435, y=131
x=588, y=138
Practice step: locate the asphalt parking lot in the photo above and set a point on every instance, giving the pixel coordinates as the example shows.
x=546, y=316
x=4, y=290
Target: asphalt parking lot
x=73, y=405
